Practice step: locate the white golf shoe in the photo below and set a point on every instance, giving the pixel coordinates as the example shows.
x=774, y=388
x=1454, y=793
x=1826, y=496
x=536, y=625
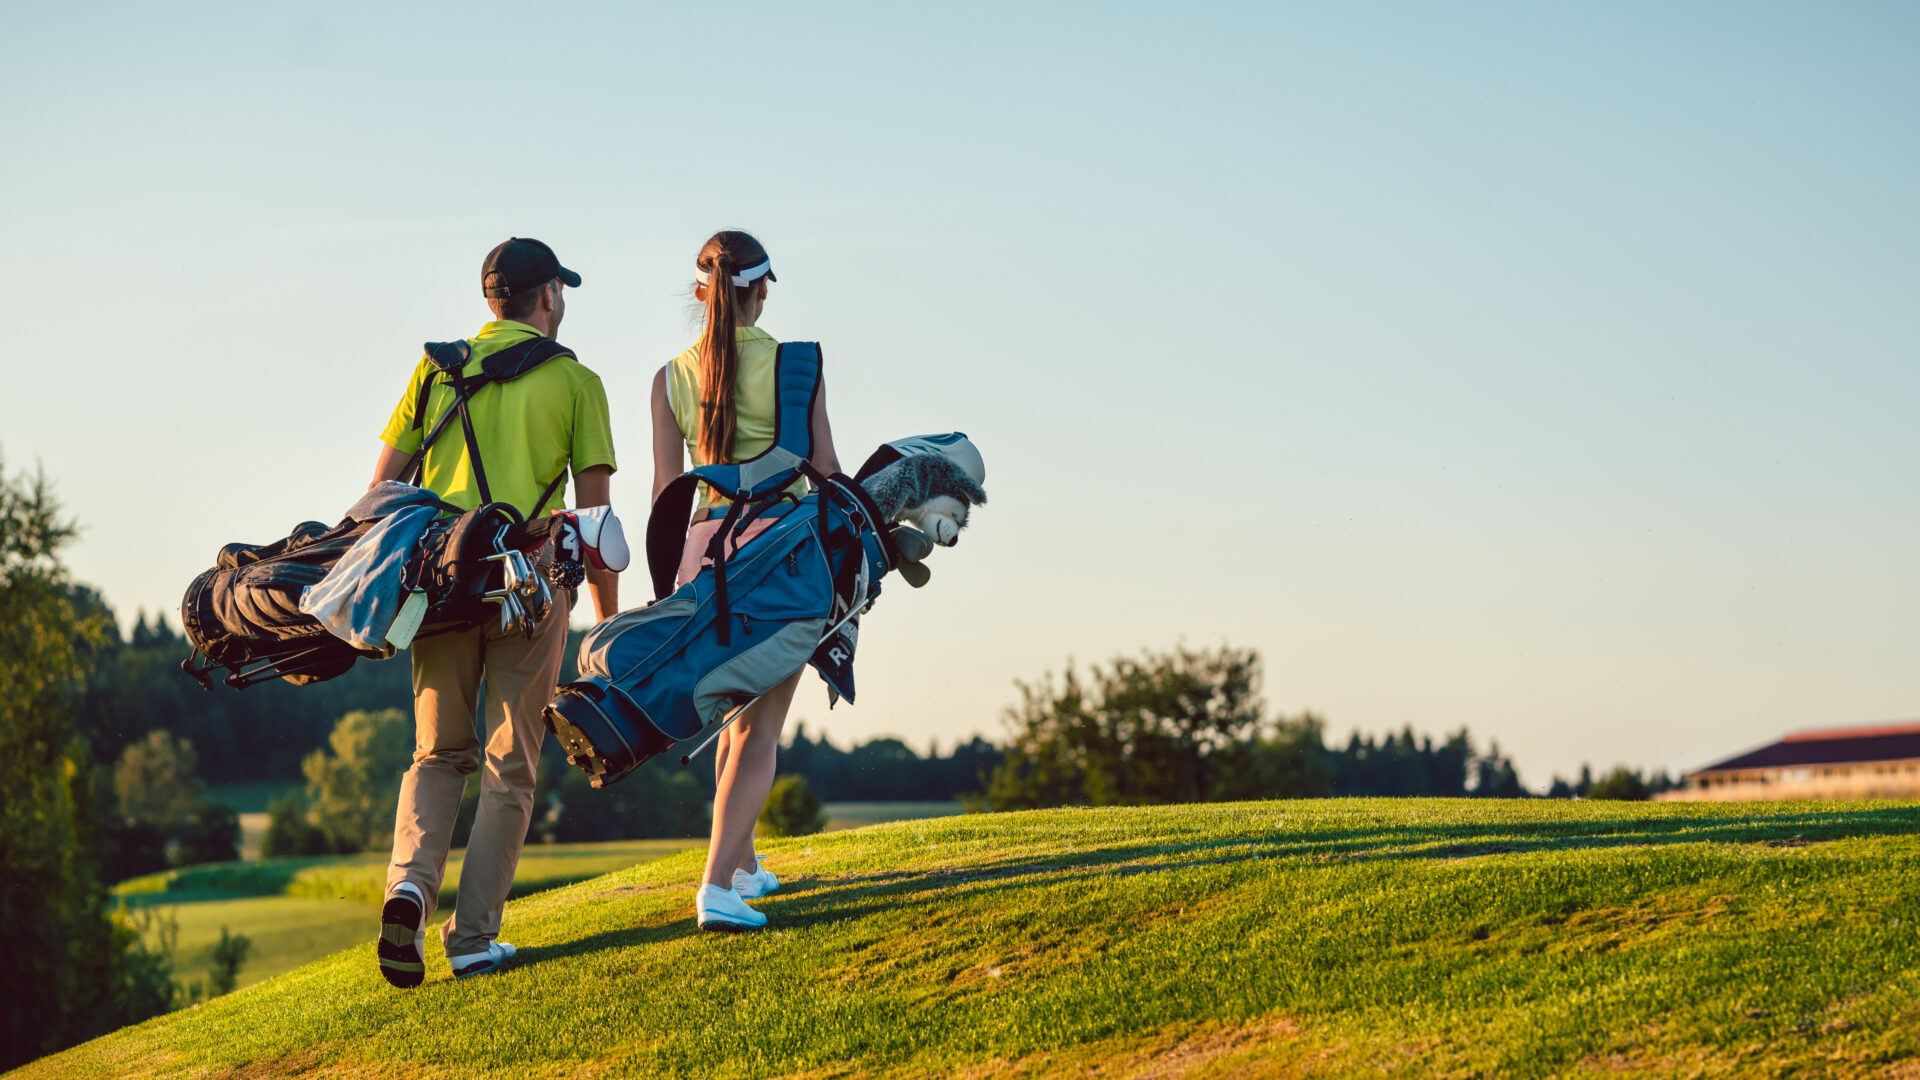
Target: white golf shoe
x=759, y=883
x=470, y=964
x=716, y=908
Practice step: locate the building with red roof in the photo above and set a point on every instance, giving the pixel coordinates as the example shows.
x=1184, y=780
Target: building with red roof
x=1877, y=762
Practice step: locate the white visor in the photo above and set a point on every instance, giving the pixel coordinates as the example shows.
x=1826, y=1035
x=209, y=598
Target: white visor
x=740, y=280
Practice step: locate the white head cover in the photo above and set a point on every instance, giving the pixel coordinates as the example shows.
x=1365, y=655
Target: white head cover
x=741, y=279
x=954, y=446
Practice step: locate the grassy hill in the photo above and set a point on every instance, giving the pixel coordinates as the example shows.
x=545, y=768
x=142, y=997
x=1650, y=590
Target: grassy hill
x=294, y=910
x=1348, y=937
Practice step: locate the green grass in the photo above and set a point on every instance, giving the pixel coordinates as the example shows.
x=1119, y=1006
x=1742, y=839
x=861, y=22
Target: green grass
x=362, y=878
x=297, y=910
x=285, y=932
x=1338, y=938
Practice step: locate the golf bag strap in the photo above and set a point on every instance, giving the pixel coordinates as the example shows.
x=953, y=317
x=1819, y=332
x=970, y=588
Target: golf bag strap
x=420, y=401
x=448, y=359
x=417, y=464
x=797, y=371
x=473, y=441
x=717, y=551
x=553, y=486
x=825, y=489
x=667, y=531
x=764, y=506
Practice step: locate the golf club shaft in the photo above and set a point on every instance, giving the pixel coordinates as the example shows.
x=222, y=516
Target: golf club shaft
x=687, y=758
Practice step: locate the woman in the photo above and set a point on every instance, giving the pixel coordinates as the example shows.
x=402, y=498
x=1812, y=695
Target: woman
x=717, y=403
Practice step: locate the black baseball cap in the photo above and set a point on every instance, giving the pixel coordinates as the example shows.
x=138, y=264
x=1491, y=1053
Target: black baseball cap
x=521, y=265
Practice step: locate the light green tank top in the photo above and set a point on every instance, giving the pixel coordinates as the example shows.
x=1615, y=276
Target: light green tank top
x=756, y=402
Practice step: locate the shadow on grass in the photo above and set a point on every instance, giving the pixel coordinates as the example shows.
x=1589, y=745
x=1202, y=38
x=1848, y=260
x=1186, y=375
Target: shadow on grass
x=819, y=900
x=647, y=934
x=1383, y=841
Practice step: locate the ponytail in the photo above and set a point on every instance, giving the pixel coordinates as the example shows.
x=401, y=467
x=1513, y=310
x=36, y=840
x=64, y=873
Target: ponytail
x=720, y=259
x=719, y=367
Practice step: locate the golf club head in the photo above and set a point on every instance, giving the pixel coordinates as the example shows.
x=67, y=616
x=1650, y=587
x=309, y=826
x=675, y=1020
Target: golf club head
x=916, y=573
x=913, y=544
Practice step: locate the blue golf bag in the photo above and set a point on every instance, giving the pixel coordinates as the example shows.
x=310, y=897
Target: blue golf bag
x=658, y=675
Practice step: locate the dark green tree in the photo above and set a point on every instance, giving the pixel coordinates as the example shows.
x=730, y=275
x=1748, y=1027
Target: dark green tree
x=263, y=734
x=157, y=782
x=163, y=815
x=354, y=788
x=228, y=954
x=211, y=834
x=289, y=832
x=1622, y=783
x=653, y=803
x=1405, y=764
x=1182, y=726
x=1291, y=760
x=1495, y=777
x=77, y=973
x=792, y=809
x=1578, y=789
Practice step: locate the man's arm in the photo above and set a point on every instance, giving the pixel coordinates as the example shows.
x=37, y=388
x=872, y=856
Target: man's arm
x=594, y=487
x=388, y=465
x=401, y=430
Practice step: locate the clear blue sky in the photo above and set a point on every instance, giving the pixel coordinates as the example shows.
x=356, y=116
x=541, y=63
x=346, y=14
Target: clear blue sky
x=1548, y=369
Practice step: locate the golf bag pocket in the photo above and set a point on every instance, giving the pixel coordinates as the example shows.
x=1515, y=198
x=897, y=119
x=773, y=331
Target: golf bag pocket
x=661, y=674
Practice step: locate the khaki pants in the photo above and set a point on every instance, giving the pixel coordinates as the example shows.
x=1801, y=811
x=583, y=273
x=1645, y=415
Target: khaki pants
x=520, y=675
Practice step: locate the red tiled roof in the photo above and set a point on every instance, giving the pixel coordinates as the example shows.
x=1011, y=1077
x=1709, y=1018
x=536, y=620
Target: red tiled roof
x=1834, y=746
x=1823, y=734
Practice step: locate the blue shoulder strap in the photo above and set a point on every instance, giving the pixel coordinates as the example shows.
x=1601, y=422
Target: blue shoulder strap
x=797, y=383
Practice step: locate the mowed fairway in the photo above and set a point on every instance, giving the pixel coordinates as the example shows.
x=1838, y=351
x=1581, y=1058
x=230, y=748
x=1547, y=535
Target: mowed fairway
x=296, y=910
x=1346, y=937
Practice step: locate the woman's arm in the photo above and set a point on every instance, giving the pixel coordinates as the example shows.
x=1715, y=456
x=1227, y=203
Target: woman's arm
x=669, y=445
x=824, y=457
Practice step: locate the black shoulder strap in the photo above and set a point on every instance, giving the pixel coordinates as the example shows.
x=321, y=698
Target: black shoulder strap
x=667, y=531
x=552, y=486
x=466, y=389
x=449, y=359
x=517, y=359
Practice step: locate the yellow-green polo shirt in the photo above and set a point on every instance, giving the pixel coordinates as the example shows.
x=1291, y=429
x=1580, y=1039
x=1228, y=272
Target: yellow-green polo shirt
x=530, y=430
x=756, y=401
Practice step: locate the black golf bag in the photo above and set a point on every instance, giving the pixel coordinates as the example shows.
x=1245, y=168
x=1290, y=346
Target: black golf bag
x=244, y=614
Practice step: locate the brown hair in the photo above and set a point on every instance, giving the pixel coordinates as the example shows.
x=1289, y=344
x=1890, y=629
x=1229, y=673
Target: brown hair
x=721, y=257
x=518, y=306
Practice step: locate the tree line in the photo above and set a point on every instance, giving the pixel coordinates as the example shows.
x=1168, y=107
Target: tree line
x=1180, y=726
x=1189, y=725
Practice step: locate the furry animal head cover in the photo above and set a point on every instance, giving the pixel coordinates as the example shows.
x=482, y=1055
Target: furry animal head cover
x=917, y=478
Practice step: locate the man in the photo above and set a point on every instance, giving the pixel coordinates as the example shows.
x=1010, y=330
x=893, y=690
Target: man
x=529, y=431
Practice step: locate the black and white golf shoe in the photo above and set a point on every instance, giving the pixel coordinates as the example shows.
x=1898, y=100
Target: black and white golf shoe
x=403, y=936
